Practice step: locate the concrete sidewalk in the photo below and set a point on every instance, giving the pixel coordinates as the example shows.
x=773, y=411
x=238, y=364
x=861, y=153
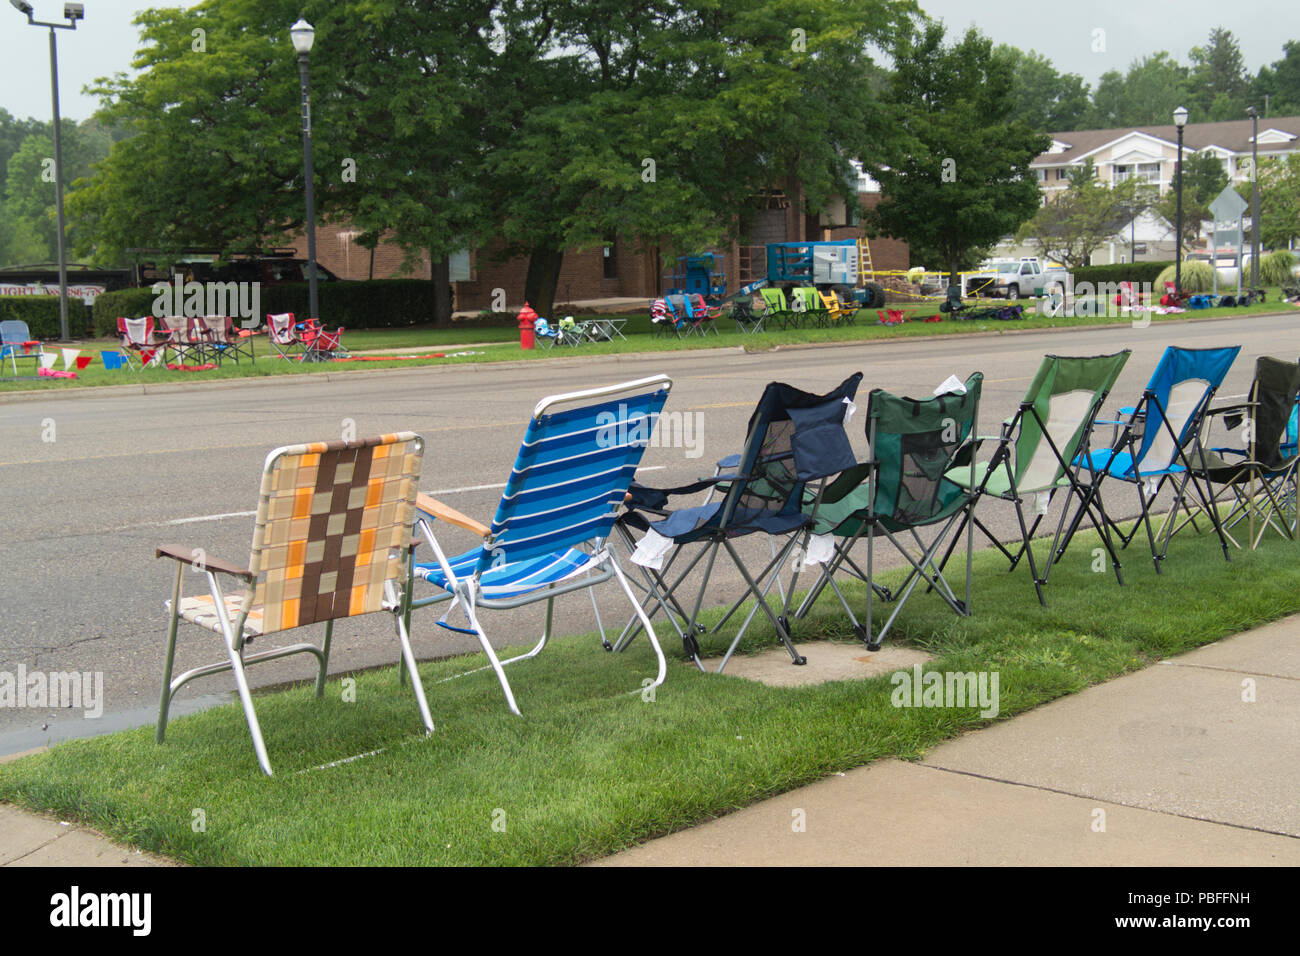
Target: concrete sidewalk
x=1175, y=765
x=1194, y=761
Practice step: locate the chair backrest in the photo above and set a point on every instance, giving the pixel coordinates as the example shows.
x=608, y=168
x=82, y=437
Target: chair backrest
x=658, y=311
x=678, y=305
x=1274, y=393
x=220, y=328
x=774, y=299
x=573, y=470
x=698, y=305
x=1180, y=389
x=281, y=328
x=136, y=333
x=14, y=332
x=180, y=326
x=332, y=527
x=807, y=298
x=793, y=437
x=1064, y=398
x=914, y=442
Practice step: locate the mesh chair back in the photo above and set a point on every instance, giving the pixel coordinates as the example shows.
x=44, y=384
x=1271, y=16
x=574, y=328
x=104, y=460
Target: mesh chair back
x=914, y=442
x=1274, y=392
x=1066, y=394
x=774, y=299
x=14, y=332
x=571, y=475
x=332, y=526
x=794, y=437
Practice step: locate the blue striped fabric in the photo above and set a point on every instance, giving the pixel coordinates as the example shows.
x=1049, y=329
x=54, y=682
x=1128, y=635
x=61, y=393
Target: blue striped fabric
x=509, y=580
x=571, y=474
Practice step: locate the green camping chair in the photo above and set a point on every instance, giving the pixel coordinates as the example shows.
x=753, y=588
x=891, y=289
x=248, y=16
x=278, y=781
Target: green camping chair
x=1037, y=448
x=809, y=304
x=778, y=311
x=905, y=486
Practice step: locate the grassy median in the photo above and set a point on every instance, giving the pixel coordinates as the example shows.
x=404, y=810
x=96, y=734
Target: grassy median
x=591, y=768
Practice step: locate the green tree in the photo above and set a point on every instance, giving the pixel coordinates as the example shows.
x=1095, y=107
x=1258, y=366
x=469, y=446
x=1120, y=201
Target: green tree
x=955, y=179
x=1087, y=214
x=1146, y=95
x=1045, y=99
x=1203, y=179
x=1279, y=83
x=1279, y=200
x=29, y=196
x=1220, y=85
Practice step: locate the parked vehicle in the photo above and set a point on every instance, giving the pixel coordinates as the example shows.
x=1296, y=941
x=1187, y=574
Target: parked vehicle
x=830, y=266
x=1014, y=279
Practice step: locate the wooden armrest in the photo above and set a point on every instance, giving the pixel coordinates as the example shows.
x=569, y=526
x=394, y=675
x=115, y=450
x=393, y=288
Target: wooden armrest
x=435, y=508
x=198, y=558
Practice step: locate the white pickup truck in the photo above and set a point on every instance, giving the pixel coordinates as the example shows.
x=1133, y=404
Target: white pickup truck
x=1012, y=280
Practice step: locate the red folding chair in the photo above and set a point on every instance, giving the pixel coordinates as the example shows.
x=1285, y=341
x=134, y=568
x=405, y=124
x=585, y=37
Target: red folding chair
x=282, y=333
x=320, y=344
x=144, y=338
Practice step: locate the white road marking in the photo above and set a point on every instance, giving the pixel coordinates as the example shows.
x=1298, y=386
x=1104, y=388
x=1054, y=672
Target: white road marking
x=228, y=514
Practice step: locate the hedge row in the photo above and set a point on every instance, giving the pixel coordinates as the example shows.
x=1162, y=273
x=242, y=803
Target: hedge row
x=1120, y=272
x=41, y=313
x=376, y=304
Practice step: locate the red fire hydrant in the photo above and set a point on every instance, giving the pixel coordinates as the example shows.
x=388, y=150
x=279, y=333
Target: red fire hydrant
x=527, y=318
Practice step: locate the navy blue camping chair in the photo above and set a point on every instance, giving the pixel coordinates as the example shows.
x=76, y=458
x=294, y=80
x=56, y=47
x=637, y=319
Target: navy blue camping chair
x=795, y=440
x=548, y=537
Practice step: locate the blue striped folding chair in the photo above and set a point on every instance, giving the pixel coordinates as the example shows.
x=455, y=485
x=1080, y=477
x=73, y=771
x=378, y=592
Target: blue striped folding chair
x=548, y=537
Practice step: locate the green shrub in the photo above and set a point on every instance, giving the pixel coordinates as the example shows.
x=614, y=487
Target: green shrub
x=1275, y=268
x=1138, y=272
x=41, y=313
x=377, y=304
x=1197, y=277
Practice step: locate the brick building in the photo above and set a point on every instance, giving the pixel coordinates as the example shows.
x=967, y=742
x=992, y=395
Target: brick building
x=624, y=268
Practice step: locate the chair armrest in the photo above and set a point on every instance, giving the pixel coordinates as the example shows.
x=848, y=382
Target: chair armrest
x=198, y=558
x=436, y=509
x=1224, y=409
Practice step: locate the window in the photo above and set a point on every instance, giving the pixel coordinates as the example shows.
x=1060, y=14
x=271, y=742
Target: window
x=1120, y=173
x=1061, y=174
x=1148, y=172
x=1041, y=174
x=611, y=258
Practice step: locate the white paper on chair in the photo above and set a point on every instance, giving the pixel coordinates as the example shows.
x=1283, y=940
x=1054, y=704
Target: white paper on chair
x=951, y=385
x=1152, y=486
x=650, y=550
x=819, y=550
x=1041, y=500
x=848, y=412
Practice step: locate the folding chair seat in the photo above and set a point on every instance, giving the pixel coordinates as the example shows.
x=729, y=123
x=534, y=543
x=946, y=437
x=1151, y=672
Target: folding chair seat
x=1259, y=474
x=222, y=341
x=795, y=439
x=1036, y=453
x=16, y=343
x=321, y=344
x=1151, y=441
x=549, y=536
x=282, y=333
x=331, y=540
x=902, y=487
x=706, y=316
x=143, y=337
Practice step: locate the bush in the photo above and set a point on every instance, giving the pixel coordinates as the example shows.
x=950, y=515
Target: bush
x=1197, y=277
x=1275, y=268
x=377, y=304
x=1138, y=272
x=41, y=313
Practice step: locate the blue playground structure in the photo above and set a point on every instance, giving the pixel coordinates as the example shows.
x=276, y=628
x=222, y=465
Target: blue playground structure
x=697, y=275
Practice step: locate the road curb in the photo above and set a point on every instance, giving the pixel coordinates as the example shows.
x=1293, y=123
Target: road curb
x=162, y=388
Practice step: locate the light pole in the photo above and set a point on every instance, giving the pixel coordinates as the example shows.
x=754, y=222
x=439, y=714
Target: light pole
x=71, y=12
x=1254, y=197
x=304, y=35
x=1180, y=120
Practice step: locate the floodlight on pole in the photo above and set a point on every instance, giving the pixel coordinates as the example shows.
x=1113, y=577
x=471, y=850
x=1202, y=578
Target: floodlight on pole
x=303, y=36
x=1180, y=120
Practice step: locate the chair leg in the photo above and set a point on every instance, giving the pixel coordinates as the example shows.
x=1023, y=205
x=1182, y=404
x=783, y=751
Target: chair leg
x=325, y=659
x=645, y=623
x=408, y=655
x=165, y=705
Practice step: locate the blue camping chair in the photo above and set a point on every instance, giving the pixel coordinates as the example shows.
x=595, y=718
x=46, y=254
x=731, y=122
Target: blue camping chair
x=548, y=537
x=1151, y=441
x=795, y=440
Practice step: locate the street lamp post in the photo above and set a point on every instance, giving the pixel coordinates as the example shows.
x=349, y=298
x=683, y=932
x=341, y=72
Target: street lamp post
x=1180, y=120
x=71, y=12
x=1254, y=197
x=304, y=35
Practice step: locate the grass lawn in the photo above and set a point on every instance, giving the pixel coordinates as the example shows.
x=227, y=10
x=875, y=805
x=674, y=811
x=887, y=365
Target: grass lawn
x=590, y=768
x=501, y=344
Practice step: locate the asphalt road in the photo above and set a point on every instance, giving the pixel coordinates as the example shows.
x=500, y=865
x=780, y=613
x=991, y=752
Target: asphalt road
x=92, y=483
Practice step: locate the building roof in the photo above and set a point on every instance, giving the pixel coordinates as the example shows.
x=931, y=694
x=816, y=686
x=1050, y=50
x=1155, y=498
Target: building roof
x=1232, y=135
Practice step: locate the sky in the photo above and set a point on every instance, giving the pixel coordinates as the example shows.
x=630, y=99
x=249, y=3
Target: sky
x=1087, y=38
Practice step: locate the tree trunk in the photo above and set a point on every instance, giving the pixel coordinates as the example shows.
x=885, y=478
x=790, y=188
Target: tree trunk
x=440, y=273
x=953, y=277
x=543, y=278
